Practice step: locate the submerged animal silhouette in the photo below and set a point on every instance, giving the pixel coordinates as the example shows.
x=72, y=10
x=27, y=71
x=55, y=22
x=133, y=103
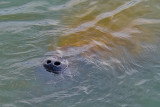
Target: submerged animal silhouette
x=105, y=33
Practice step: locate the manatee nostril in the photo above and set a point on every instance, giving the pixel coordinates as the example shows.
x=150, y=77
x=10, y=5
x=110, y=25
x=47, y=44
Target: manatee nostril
x=49, y=61
x=57, y=63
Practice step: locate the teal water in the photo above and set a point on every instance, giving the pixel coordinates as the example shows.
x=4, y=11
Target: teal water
x=122, y=69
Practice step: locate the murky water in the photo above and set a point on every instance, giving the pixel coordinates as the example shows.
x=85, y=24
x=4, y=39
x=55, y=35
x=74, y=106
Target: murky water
x=112, y=47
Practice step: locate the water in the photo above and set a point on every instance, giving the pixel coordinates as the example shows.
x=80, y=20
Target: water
x=112, y=47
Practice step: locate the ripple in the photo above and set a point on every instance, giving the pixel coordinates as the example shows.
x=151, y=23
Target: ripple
x=87, y=25
x=26, y=8
x=3, y=2
x=20, y=26
x=141, y=82
x=69, y=4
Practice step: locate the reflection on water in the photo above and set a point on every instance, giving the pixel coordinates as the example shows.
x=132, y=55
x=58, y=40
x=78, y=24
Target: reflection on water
x=112, y=47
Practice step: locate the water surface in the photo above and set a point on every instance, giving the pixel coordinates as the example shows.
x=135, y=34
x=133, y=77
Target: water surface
x=112, y=47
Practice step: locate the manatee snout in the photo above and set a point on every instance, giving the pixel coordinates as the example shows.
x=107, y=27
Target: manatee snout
x=55, y=65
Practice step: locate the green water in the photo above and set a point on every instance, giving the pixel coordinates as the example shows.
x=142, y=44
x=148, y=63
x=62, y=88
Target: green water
x=122, y=69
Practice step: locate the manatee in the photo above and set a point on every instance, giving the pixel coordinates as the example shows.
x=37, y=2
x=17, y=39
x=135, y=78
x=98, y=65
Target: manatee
x=104, y=37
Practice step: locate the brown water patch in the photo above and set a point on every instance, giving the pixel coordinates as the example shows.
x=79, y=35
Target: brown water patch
x=104, y=29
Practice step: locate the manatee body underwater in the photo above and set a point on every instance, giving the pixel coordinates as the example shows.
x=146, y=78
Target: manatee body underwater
x=101, y=40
